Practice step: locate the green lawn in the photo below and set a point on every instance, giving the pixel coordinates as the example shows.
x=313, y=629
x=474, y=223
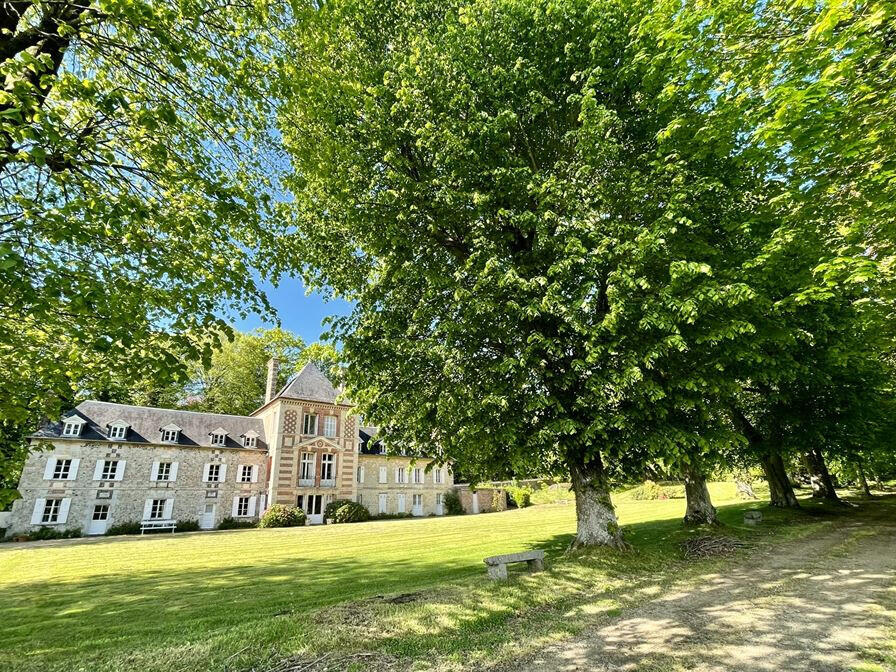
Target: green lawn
x=233, y=600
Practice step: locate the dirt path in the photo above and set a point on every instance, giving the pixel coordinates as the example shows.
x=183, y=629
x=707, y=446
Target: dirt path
x=808, y=607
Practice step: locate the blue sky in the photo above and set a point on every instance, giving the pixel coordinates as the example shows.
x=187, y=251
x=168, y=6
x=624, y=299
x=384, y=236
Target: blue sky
x=299, y=312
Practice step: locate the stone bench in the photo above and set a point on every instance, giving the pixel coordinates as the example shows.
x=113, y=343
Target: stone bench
x=497, y=565
x=157, y=525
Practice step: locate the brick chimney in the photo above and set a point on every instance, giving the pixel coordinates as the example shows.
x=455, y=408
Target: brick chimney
x=273, y=371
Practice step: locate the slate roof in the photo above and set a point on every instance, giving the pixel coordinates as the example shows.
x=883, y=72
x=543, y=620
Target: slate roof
x=310, y=384
x=145, y=423
x=370, y=445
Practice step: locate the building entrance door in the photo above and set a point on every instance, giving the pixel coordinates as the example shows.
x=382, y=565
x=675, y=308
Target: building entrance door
x=314, y=509
x=207, y=517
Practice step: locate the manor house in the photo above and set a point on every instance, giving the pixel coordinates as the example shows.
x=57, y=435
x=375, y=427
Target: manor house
x=105, y=463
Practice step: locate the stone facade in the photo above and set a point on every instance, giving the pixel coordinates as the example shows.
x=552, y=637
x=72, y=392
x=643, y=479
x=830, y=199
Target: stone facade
x=126, y=494
x=388, y=485
x=482, y=500
x=303, y=447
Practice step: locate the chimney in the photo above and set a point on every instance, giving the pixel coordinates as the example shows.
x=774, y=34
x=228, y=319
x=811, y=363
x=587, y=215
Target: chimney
x=273, y=371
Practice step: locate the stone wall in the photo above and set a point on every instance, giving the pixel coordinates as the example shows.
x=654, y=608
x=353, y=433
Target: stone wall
x=126, y=497
x=488, y=499
x=370, y=488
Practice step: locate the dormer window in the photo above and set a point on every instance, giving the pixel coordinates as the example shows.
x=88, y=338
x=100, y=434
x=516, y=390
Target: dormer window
x=170, y=433
x=250, y=439
x=72, y=426
x=118, y=430
x=219, y=436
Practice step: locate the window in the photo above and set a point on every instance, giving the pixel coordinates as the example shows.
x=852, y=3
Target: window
x=117, y=431
x=246, y=473
x=109, y=471
x=163, y=473
x=62, y=470
x=383, y=503
x=170, y=435
x=242, y=506
x=310, y=424
x=400, y=503
x=72, y=427
x=213, y=473
x=401, y=475
x=250, y=441
x=326, y=468
x=437, y=476
x=51, y=511
x=306, y=475
x=384, y=475
x=360, y=474
x=418, y=505
x=219, y=439
x=157, y=510
x=418, y=476
x=330, y=425
x=101, y=512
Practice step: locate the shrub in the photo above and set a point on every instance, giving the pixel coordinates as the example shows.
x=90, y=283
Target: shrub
x=124, y=528
x=233, y=524
x=280, y=515
x=330, y=508
x=391, y=516
x=187, y=526
x=521, y=496
x=452, y=503
x=650, y=490
x=552, y=494
x=43, y=533
x=351, y=512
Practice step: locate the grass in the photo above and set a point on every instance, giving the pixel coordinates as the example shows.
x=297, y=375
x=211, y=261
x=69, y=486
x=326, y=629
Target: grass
x=248, y=598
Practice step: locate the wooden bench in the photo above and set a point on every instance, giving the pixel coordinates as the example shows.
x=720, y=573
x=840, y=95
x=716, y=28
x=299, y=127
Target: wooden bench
x=497, y=565
x=157, y=525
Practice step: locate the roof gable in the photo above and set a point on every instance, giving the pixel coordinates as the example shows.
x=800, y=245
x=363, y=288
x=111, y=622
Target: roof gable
x=310, y=384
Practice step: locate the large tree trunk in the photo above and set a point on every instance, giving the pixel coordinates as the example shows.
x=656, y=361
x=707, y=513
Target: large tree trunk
x=595, y=516
x=700, y=510
x=820, y=477
x=863, y=481
x=780, y=490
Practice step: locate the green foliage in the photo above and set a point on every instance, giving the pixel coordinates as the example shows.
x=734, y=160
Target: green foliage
x=552, y=494
x=521, y=495
x=650, y=490
x=280, y=515
x=136, y=173
x=229, y=523
x=351, y=512
x=43, y=533
x=452, y=504
x=331, y=507
x=392, y=516
x=131, y=527
x=187, y=526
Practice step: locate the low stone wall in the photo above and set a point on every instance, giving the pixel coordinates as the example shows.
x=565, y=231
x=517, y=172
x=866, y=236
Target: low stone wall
x=482, y=500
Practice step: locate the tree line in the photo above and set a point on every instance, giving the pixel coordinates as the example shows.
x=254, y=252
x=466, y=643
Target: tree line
x=583, y=238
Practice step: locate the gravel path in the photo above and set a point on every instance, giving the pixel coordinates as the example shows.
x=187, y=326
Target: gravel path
x=809, y=606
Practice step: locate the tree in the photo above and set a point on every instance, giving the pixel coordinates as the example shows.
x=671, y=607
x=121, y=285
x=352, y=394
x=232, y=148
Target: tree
x=136, y=166
x=544, y=272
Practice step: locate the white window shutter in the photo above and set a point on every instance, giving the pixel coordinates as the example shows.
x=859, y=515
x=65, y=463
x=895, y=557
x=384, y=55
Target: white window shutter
x=396, y=475
x=205, y=470
x=73, y=472
x=49, y=469
x=223, y=475
x=147, y=509
x=98, y=470
x=119, y=470
x=154, y=473
x=362, y=474
x=63, y=510
x=255, y=473
x=252, y=500
x=235, y=508
x=169, y=508
x=172, y=475
x=38, y=512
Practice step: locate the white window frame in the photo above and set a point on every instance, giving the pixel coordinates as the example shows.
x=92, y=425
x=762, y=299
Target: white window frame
x=106, y=473
x=247, y=473
x=306, y=468
x=219, y=475
x=419, y=478
x=69, y=474
x=118, y=431
x=309, y=422
x=401, y=475
x=401, y=504
x=384, y=475
x=250, y=442
x=437, y=476
x=327, y=469
x=361, y=474
x=417, y=504
x=242, y=507
x=170, y=435
x=52, y=508
x=383, y=502
x=219, y=439
x=157, y=510
x=330, y=425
